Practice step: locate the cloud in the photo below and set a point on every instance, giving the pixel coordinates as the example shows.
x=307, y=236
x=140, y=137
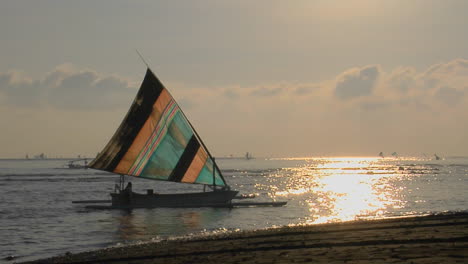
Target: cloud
x=231, y=94
x=66, y=88
x=357, y=82
x=304, y=90
x=266, y=91
x=362, y=109
x=401, y=90
x=375, y=105
x=17, y=89
x=402, y=79
x=89, y=90
x=454, y=67
x=453, y=73
x=449, y=96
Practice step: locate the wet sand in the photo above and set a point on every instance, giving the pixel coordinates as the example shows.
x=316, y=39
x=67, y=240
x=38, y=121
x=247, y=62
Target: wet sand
x=427, y=239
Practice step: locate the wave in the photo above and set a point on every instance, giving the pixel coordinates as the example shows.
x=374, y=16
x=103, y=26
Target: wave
x=459, y=165
x=390, y=169
x=251, y=170
x=95, y=179
x=53, y=174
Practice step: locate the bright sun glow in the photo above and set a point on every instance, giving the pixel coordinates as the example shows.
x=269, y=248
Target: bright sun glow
x=338, y=10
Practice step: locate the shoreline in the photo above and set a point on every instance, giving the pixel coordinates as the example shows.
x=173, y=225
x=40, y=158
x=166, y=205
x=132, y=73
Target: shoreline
x=440, y=238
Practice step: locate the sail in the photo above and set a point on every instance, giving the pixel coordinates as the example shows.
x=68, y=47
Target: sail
x=156, y=141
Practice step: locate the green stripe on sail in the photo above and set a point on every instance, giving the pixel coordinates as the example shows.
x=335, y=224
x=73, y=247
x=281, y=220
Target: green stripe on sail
x=206, y=175
x=158, y=134
x=167, y=154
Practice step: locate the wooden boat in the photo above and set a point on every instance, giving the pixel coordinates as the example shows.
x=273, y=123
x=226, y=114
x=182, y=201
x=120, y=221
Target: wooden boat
x=156, y=141
x=128, y=199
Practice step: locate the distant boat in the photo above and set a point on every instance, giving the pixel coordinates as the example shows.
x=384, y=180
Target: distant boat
x=381, y=154
x=436, y=157
x=156, y=141
x=40, y=156
x=77, y=164
x=247, y=156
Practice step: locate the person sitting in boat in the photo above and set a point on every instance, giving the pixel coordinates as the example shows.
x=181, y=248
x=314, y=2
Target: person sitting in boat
x=129, y=187
x=128, y=193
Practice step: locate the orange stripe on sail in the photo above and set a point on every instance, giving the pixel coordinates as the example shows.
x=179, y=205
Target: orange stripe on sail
x=163, y=99
x=195, y=167
x=144, y=135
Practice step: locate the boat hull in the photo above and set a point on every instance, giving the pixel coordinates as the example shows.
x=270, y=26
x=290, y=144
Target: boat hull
x=127, y=199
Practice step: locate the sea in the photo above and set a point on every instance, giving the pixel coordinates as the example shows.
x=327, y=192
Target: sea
x=38, y=218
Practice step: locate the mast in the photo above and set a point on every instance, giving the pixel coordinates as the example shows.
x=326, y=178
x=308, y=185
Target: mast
x=141, y=57
x=215, y=166
x=214, y=175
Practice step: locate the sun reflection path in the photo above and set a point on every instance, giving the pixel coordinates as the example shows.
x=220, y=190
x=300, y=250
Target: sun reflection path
x=342, y=189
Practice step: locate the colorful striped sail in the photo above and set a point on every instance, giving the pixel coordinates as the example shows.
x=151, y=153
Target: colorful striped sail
x=156, y=141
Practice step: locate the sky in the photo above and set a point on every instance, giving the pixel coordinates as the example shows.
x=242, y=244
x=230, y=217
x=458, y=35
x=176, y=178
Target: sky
x=274, y=78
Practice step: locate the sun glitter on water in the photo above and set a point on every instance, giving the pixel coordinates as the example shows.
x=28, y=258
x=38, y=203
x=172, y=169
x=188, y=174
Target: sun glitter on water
x=343, y=189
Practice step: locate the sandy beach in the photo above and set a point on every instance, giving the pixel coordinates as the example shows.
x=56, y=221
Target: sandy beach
x=426, y=239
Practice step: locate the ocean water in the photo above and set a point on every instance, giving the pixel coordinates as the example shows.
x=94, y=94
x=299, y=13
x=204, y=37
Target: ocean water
x=37, y=218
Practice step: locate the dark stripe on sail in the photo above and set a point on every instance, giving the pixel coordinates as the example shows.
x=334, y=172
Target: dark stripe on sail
x=136, y=117
x=185, y=160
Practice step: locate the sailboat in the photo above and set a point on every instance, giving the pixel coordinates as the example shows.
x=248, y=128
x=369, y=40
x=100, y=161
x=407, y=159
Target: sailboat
x=156, y=141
